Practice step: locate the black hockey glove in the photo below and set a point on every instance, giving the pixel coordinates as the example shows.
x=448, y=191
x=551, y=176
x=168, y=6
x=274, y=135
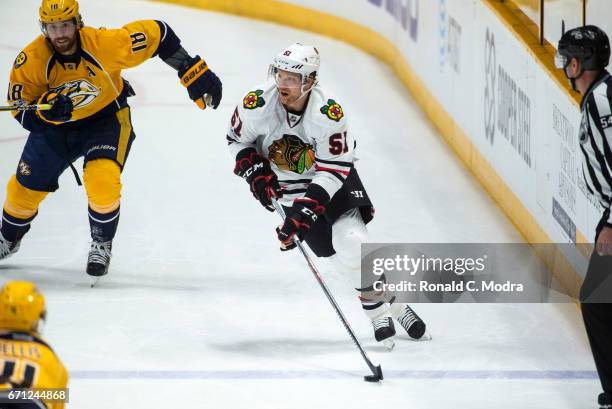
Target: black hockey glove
x=256, y=170
x=302, y=215
x=61, y=110
x=203, y=86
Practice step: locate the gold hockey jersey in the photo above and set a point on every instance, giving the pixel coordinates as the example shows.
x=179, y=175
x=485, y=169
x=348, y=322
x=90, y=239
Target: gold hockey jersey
x=26, y=361
x=91, y=78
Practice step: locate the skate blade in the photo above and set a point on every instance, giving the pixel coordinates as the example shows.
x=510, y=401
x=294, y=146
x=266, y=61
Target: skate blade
x=389, y=344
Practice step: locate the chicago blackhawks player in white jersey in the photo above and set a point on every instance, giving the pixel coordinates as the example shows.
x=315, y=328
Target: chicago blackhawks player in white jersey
x=291, y=142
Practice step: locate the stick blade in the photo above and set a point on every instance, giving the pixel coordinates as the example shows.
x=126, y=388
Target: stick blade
x=377, y=377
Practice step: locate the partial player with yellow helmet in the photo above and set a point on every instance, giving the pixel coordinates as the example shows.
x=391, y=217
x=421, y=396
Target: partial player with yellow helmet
x=77, y=69
x=26, y=360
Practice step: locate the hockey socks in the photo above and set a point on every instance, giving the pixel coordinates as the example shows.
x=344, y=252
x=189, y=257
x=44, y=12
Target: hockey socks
x=103, y=225
x=13, y=228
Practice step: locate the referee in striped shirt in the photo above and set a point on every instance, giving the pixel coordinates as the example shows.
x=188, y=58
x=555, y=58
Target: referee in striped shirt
x=583, y=53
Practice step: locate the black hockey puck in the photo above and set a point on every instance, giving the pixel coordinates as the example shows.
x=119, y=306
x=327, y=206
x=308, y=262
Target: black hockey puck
x=377, y=377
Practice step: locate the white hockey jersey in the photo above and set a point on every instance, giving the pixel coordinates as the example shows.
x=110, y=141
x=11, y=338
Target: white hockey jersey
x=314, y=147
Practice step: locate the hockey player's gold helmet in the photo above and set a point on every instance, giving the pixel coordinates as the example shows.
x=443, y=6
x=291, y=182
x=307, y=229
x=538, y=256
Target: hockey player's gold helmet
x=21, y=306
x=53, y=11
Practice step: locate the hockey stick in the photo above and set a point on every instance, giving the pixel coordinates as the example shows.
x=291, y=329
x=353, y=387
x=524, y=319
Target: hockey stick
x=377, y=374
x=34, y=107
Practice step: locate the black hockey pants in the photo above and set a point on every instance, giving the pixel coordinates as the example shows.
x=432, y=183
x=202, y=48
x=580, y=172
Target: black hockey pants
x=596, y=303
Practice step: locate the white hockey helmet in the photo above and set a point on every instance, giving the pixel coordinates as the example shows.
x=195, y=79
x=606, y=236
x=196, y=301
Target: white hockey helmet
x=299, y=59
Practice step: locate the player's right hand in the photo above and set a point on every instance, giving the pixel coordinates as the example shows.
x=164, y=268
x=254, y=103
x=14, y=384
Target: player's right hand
x=256, y=170
x=203, y=85
x=61, y=110
x=300, y=218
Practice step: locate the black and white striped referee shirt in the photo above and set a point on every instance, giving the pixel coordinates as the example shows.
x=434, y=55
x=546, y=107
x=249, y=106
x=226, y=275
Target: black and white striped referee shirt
x=596, y=139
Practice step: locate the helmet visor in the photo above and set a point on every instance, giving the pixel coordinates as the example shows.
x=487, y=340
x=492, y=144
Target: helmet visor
x=59, y=28
x=285, y=79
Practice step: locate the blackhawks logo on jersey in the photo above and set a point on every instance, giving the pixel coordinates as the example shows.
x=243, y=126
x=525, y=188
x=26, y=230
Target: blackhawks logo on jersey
x=254, y=100
x=292, y=154
x=333, y=110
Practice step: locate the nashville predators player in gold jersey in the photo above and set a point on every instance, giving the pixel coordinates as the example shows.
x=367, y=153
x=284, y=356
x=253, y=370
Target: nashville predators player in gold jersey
x=26, y=361
x=77, y=69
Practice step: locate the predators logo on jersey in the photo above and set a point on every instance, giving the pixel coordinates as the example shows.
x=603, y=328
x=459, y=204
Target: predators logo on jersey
x=292, y=154
x=81, y=92
x=24, y=168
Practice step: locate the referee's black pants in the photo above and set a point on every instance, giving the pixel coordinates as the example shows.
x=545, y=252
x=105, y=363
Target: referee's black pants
x=596, y=303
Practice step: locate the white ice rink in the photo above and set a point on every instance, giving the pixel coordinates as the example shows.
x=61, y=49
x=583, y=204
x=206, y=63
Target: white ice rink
x=201, y=309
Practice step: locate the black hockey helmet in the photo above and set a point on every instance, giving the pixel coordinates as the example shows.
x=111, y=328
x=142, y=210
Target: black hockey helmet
x=589, y=45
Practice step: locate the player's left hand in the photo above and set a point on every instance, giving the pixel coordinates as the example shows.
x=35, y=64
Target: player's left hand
x=203, y=85
x=300, y=218
x=604, y=242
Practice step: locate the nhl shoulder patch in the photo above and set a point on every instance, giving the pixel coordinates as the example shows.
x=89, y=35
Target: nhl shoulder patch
x=20, y=60
x=333, y=110
x=254, y=100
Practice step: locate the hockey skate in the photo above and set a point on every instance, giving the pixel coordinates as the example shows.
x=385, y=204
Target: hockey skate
x=605, y=401
x=384, y=329
x=410, y=321
x=99, y=259
x=8, y=248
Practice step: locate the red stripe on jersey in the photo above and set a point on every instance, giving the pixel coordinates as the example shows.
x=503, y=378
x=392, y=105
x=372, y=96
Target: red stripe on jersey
x=344, y=172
